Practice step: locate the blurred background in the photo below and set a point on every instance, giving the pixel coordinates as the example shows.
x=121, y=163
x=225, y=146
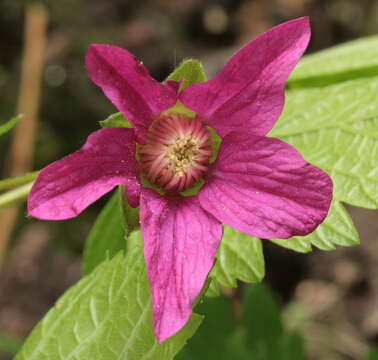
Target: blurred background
x=336, y=293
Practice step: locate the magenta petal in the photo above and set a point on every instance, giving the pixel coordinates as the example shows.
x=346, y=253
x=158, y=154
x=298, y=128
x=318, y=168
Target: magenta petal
x=263, y=187
x=248, y=94
x=66, y=187
x=180, y=241
x=129, y=86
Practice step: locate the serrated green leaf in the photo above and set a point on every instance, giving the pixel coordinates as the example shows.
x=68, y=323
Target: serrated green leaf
x=4, y=128
x=327, y=126
x=301, y=244
x=190, y=71
x=116, y=120
x=107, y=236
x=213, y=290
x=107, y=315
x=351, y=60
x=336, y=128
x=337, y=229
x=239, y=256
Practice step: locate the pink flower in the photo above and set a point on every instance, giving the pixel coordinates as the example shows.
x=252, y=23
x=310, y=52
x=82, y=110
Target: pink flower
x=257, y=184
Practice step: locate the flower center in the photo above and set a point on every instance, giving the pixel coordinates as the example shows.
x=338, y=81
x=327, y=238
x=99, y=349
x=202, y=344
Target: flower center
x=176, y=153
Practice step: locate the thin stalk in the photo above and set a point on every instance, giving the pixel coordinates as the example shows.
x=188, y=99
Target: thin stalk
x=23, y=137
x=17, y=181
x=15, y=196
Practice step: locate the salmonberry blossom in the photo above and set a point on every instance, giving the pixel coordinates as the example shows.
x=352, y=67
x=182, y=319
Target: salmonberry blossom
x=257, y=184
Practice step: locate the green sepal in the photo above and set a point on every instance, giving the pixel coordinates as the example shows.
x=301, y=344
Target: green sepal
x=130, y=215
x=189, y=72
x=216, y=141
x=116, y=120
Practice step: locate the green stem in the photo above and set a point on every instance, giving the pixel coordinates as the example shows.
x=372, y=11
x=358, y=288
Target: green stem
x=15, y=196
x=19, y=180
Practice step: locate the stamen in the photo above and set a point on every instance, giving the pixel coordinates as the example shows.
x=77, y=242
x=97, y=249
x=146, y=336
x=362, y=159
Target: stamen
x=176, y=153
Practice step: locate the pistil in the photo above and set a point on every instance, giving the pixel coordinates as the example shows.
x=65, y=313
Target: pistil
x=176, y=153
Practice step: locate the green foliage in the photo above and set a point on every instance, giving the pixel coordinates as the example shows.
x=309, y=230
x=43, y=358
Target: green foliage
x=262, y=319
x=260, y=336
x=292, y=347
x=335, y=128
x=9, y=344
x=331, y=117
x=337, y=229
x=10, y=124
x=208, y=343
x=239, y=256
x=265, y=333
x=373, y=354
x=213, y=289
x=107, y=315
x=107, y=236
x=354, y=59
